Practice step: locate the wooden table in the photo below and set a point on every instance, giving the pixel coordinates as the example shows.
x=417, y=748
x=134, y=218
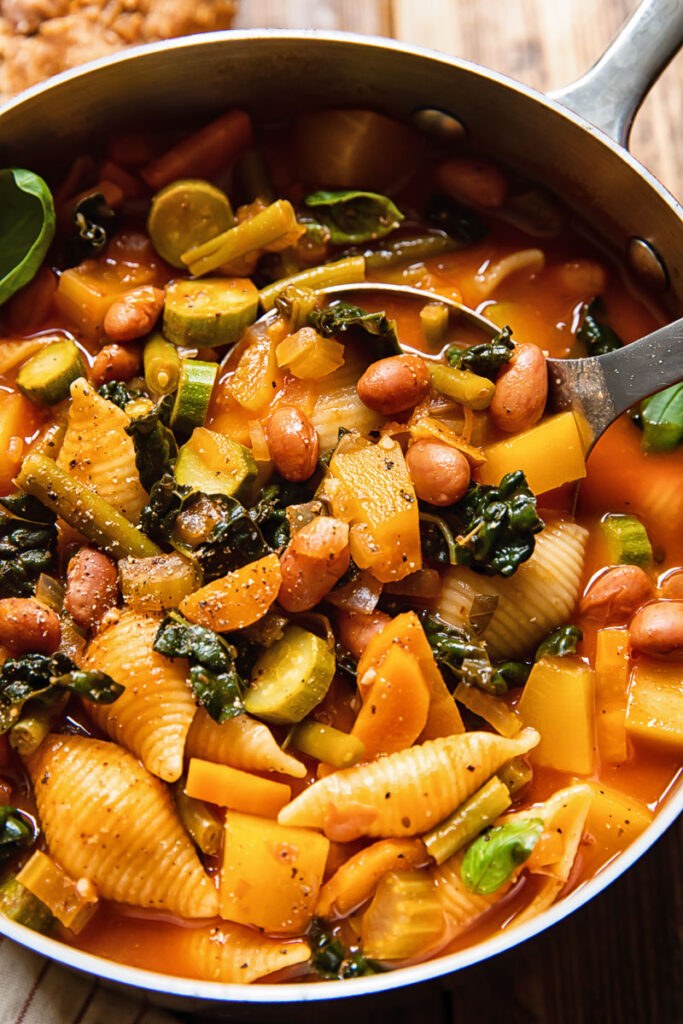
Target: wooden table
x=618, y=960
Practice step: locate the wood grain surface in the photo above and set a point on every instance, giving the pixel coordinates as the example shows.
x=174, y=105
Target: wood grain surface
x=619, y=960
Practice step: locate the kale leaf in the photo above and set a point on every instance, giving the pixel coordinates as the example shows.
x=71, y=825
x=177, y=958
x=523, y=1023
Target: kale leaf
x=17, y=832
x=118, y=392
x=155, y=445
x=44, y=678
x=352, y=216
x=461, y=223
x=343, y=316
x=460, y=655
x=95, y=223
x=485, y=359
x=331, y=960
x=491, y=529
x=269, y=513
x=27, y=541
x=560, y=642
x=213, y=677
x=596, y=335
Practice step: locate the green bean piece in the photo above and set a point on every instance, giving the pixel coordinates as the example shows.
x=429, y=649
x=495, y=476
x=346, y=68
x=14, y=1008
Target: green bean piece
x=515, y=774
x=329, y=745
x=162, y=365
x=482, y=808
x=434, y=323
x=408, y=250
x=346, y=271
x=81, y=508
x=276, y=220
x=28, y=733
x=203, y=825
x=462, y=386
x=252, y=172
x=20, y=905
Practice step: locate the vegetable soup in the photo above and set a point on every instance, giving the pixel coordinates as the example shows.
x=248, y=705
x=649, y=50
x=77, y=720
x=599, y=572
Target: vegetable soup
x=312, y=666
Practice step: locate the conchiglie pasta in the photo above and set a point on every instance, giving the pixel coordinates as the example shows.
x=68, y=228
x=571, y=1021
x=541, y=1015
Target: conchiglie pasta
x=539, y=597
x=461, y=907
x=339, y=404
x=407, y=792
x=236, y=955
x=98, y=452
x=154, y=714
x=241, y=742
x=107, y=819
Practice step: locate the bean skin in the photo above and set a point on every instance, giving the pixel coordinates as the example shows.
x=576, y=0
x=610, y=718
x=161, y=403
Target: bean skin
x=613, y=597
x=134, y=313
x=672, y=584
x=440, y=473
x=355, y=630
x=394, y=384
x=91, y=587
x=473, y=180
x=27, y=625
x=293, y=442
x=657, y=629
x=521, y=390
x=115, y=362
x=315, y=558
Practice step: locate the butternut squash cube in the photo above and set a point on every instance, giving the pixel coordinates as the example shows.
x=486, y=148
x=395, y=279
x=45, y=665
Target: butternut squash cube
x=558, y=702
x=271, y=874
x=550, y=454
x=85, y=293
x=370, y=488
x=614, y=820
x=655, y=703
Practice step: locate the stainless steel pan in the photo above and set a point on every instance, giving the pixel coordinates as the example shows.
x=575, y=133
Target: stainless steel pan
x=574, y=140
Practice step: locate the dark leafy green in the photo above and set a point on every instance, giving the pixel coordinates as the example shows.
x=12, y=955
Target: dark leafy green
x=339, y=317
x=460, y=655
x=94, y=224
x=597, y=336
x=155, y=445
x=27, y=227
x=459, y=222
x=27, y=543
x=510, y=674
x=493, y=857
x=118, y=392
x=326, y=457
x=353, y=217
x=661, y=417
x=331, y=960
x=485, y=359
x=491, y=529
x=562, y=641
x=44, y=679
x=17, y=832
x=213, y=678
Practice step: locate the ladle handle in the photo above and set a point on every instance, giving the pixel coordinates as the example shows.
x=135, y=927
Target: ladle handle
x=610, y=93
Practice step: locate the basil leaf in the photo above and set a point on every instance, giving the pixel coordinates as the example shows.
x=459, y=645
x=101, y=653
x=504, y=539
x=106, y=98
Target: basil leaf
x=353, y=217
x=27, y=226
x=559, y=642
x=662, y=419
x=492, y=858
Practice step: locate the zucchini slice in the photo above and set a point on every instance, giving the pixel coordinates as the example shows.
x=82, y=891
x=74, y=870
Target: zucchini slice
x=187, y=213
x=215, y=464
x=195, y=385
x=46, y=377
x=627, y=541
x=291, y=677
x=210, y=312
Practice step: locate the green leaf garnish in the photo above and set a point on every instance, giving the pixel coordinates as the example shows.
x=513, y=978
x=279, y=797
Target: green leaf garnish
x=493, y=857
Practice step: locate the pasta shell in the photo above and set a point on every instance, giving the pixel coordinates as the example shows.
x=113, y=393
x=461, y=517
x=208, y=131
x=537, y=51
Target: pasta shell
x=407, y=792
x=107, y=819
x=241, y=742
x=98, y=452
x=154, y=714
x=461, y=907
x=564, y=816
x=539, y=597
x=340, y=406
x=237, y=955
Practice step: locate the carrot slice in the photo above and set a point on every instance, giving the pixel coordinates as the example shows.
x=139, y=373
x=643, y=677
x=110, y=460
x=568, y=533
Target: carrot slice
x=395, y=709
x=355, y=881
x=202, y=153
x=229, y=787
x=235, y=600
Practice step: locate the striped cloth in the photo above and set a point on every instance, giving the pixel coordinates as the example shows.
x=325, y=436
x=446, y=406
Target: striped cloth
x=34, y=990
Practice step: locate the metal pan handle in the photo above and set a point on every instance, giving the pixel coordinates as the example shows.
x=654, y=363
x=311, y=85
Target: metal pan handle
x=610, y=93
